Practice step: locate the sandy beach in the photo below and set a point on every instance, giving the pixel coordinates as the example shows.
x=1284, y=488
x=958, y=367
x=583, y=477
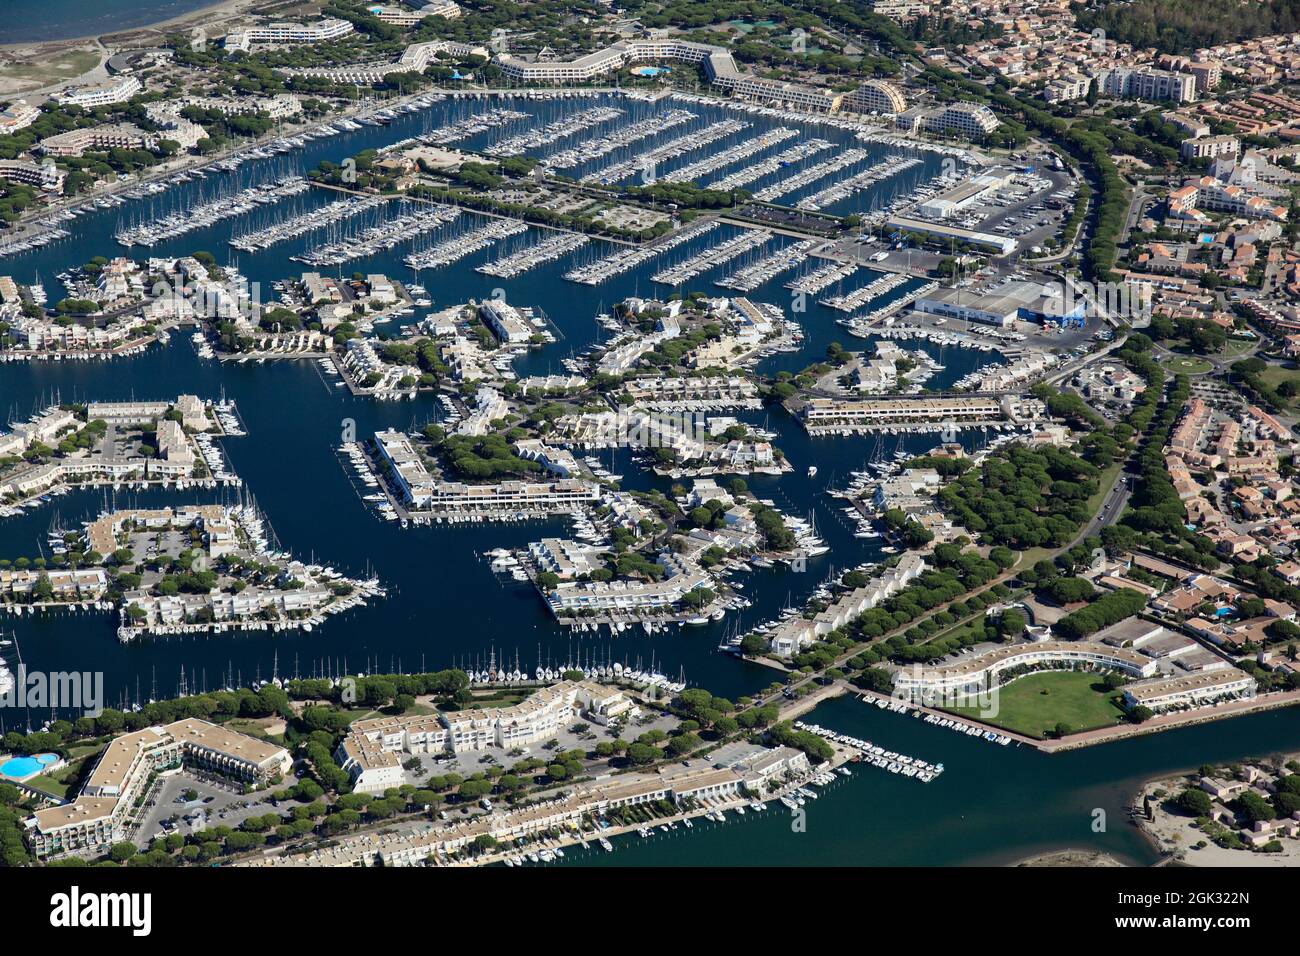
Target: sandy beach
x=1175, y=835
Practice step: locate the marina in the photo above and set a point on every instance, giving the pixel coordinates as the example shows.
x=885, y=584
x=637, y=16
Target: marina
x=520, y=262
x=412, y=222
x=719, y=255
x=649, y=161
x=452, y=250
x=152, y=232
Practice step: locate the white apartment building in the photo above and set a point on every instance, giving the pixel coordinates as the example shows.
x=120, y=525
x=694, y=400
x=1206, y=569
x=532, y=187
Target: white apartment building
x=17, y=115
x=75, y=142
x=825, y=412
x=1062, y=89
x=1210, y=147
x=875, y=96
x=573, y=596
x=1191, y=690
x=1147, y=84
x=117, y=90
x=797, y=633
x=402, y=17
x=973, y=120
x=44, y=176
x=978, y=673
x=719, y=67
x=287, y=31
x=369, y=753
x=506, y=322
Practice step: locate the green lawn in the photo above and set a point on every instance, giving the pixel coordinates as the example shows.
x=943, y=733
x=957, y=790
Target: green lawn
x=1187, y=365
x=1034, y=704
x=1275, y=375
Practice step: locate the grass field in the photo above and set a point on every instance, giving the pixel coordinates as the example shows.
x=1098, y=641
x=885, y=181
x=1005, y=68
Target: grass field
x=67, y=65
x=1034, y=704
x=1187, y=365
x=1275, y=375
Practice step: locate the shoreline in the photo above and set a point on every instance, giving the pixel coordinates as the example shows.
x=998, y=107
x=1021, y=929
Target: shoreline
x=1167, y=834
x=211, y=9
x=1070, y=857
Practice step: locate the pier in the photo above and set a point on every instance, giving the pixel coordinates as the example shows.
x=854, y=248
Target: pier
x=526, y=259
x=710, y=258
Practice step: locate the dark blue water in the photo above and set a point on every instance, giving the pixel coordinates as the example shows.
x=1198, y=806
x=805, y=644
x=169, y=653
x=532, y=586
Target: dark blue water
x=28, y=21
x=445, y=605
x=991, y=806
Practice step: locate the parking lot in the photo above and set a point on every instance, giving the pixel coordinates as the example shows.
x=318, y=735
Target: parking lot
x=572, y=738
x=215, y=803
x=1031, y=210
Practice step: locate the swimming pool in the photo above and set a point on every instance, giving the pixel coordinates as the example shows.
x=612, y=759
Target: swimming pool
x=20, y=768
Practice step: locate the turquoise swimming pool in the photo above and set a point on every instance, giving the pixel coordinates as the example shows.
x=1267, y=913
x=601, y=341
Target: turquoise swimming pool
x=20, y=768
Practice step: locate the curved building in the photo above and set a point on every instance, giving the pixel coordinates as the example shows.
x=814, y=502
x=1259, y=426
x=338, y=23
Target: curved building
x=876, y=96
x=979, y=672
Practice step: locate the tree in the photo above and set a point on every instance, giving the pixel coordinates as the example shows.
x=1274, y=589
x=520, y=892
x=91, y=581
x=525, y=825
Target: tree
x=1195, y=801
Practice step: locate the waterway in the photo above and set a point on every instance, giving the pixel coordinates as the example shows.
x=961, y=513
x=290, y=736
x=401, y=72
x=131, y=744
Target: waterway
x=992, y=805
x=445, y=606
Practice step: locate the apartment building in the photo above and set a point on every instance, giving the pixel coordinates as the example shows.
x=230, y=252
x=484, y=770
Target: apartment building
x=507, y=323
x=424, y=493
x=286, y=31
x=370, y=752
x=76, y=142
x=17, y=115
x=979, y=672
x=1147, y=84
x=799, y=632
x=874, y=412
x=570, y=597
x=102, y=814
x=1062, y=89
x=117, y=90
x=719, y=67
x=401, y=17
x=971, y=120
x=1210, y=147
x=1190, y=690
x=875, y=96
x=45, y=176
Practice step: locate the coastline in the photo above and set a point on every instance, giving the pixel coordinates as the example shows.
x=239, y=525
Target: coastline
x=1070, y=858
x=209, y=11
x=1172, y=836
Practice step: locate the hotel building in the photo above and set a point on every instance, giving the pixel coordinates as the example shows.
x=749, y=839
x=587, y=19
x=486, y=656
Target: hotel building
x=102, y=814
